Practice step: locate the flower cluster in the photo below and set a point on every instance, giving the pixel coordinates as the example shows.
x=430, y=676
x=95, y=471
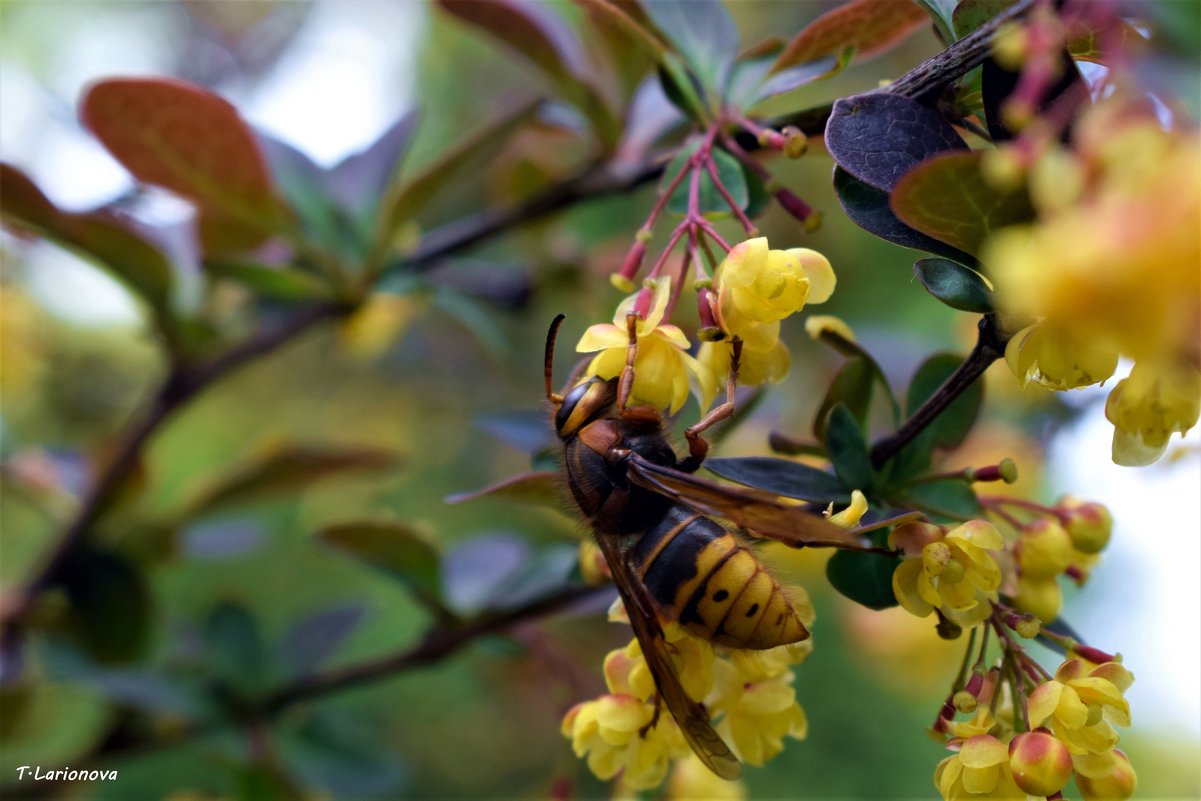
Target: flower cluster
x=753, y=289
x=748, y=695
x=954, y=572
x=1109, y=269
x=1064, y=729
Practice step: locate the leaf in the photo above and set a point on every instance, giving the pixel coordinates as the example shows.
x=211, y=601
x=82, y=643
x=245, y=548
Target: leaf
x=941, y=12
x=852, y=386
x=865, y=578
x=408, y=198
x=277, y=283
x=868, y=208
x=954, y=424
x=948, y=198
x=854, y=351
x=800, y=75
x=704, y=33
x=285, y=470
x=96, y=235
x=540, y=486
x=315, y=638
x=480, y=572
x=32, y=729
x=528, y=431
x=710, y=201
x=398, y=550
x=970, y=15
x=184, y=138
x=305, y=186
x=360, y=180
x=783, y=477
x=111, y=604
x=340, y=753
x=534, y=33
x=234, y=646
x=877, y=138
x=949, y=498
x=869, y=26
x=955, y=285
x=848, y=450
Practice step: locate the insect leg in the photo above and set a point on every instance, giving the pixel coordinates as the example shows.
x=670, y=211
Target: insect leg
x=698, y=446
x=627, y=373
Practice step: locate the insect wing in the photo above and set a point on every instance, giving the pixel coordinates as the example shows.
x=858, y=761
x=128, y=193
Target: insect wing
x=689, y=714
x=760, y=512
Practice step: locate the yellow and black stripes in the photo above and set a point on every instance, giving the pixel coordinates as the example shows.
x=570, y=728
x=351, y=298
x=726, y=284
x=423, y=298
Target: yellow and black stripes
x=701, y=575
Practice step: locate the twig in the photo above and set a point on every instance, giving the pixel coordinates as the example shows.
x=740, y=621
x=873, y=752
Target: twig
x=990, y=344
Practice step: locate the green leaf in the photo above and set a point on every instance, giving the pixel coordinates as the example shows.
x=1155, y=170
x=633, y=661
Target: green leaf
x=111, y=605
x=853, y=350
x=783, y=477
x=969, y=15
x=235, y=646
x=409, y=198
x=312, y=640
x=865, y=578
x=182, y=137
x=852, y=386
x=278, y=283
x=95, y=235
x=703, y=32
x=33, y=730
x=951, y=499
x=955, y=423
x=940, y=12
x=849, y=450
x=868, y=26
x=948, y=198
x=397, y=550
x=285, y=470
x=539, y=486
x=955, y=285
x=711, y=203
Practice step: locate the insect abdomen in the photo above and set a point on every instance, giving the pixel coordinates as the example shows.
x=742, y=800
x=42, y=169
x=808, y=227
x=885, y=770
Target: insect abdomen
x=716, y=588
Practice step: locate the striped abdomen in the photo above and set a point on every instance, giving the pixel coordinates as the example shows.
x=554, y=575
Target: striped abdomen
x=703, y=577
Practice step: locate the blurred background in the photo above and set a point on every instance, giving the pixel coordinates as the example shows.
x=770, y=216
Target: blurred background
x=328, y=78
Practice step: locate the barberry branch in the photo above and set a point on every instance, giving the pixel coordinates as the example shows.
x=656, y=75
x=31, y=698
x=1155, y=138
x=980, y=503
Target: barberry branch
x=990, y=345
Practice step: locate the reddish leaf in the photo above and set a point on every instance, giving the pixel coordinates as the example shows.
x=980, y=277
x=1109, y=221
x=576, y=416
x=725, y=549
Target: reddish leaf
x=947, y=198
x=182, y=137
x=869, y=26
x=96, y=235
x=539, y=486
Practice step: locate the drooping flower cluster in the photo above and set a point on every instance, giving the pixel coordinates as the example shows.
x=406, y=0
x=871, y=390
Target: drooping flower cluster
x=753, y=289
x=748, y=694
x=953, y=572
x=1065, y=729
x=1109, y=269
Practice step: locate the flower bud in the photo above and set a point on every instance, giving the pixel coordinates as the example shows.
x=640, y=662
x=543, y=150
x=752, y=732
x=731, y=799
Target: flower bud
x=1119, y=783
x=965, y=701
x=1041, y=764
x=795, y=142
x=1044, y=549
x=1089, y=525
x=1040, y=597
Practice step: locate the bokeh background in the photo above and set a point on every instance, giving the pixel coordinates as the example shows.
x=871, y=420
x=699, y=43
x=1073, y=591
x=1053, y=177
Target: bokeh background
x=328, y=77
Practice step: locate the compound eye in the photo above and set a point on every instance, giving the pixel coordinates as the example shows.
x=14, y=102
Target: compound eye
x=581, y=405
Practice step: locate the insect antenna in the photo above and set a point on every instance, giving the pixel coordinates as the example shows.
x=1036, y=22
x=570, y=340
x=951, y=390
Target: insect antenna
x=548, y=361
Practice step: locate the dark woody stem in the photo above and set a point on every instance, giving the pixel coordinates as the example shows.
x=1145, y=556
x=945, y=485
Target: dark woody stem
x=990, y=345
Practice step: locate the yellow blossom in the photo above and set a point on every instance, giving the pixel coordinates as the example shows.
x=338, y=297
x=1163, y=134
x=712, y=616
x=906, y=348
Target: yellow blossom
x=979, y=771
x=955, y=574
x=761, y=285
x=1109, y=777
x=850, y=517
x=1054, y=358
x=612, y=733
x=1148, y=407
x=1041, y=764
x=758, y=715
x=1041, y=597
x=1081, y=705
x=692, y=781
x=662, y=365
x=1044, y=549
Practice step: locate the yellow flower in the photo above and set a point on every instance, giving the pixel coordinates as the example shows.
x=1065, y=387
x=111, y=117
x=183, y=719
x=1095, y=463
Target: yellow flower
x=979, y=771
x=955, y=574
x=1082, y=704
x=768, y=366
x=1044, y=549
x=849, y=517
x=612, y=733
x=662, y=365
x=760, y=285
x=1041, y=597
x=692, y=781
x=1054, y=358
x=758, y=715
x=1150, y=405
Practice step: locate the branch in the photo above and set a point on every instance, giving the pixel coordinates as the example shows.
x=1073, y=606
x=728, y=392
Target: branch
x=438, y=643
x=990, y=345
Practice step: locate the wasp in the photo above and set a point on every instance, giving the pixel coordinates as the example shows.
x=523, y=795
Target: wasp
x=653, y=520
